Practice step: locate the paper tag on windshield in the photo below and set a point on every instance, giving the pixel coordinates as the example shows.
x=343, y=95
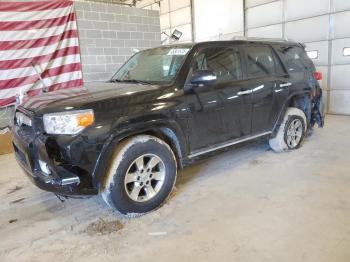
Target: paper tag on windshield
x=179, y=51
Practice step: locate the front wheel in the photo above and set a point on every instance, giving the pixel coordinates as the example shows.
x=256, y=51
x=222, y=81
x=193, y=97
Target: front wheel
x=292, y=131
x=141, y=175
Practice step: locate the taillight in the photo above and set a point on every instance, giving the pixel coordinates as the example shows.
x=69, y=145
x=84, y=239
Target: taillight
x=318, y=75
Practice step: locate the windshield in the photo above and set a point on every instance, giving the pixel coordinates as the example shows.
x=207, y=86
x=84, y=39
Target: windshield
x=154, y=65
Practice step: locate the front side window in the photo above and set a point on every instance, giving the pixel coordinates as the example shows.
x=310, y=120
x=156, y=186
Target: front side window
x=154, y=65
x=261, y=62
x=225, y=63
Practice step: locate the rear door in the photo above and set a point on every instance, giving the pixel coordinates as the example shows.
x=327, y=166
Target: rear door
x=268, y=83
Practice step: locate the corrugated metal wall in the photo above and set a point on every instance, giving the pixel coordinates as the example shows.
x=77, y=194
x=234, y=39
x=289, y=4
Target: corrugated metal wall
x=218, y=20
x=323, y=25
x=176, y=15
x=173, y=15
x=213, y=20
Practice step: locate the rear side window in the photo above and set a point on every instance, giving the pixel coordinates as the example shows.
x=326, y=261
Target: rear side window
x=224, y=62
x=262, y=62
x=295, y=59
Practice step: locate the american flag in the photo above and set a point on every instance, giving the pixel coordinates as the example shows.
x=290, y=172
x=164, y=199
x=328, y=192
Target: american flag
x=37, y=37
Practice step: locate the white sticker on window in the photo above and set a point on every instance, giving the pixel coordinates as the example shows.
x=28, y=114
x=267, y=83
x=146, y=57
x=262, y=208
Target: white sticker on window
x=178, y=51
x=312, y=54
x=346, y=51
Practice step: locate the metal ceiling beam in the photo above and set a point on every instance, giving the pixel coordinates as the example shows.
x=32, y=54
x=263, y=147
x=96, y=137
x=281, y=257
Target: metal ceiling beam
x=119, y=2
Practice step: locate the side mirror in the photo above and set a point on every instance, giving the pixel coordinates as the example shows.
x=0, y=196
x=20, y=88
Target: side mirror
x=203, y=77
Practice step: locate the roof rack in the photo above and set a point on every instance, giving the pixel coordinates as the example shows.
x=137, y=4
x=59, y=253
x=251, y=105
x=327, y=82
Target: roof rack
x=243, y=38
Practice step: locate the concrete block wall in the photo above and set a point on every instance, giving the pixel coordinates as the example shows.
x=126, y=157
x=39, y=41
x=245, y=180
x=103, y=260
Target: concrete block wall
x=109, y=33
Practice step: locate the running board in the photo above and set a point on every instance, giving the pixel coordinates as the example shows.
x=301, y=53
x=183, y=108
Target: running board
x=231, y=143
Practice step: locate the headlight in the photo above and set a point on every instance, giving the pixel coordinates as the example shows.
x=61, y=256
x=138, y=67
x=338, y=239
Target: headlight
x=68, y=123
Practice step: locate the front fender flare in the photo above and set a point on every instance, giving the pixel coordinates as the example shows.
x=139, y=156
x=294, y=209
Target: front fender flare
x=159, y=127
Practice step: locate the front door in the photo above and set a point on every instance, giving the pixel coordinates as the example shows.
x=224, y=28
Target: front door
x=219, y=112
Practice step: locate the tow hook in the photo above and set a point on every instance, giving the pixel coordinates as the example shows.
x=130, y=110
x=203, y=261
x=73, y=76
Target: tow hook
x=61, y=198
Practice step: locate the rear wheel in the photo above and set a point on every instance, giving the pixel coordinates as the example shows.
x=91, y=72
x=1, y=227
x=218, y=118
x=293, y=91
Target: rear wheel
x=291, y=133
x=294, y=133
x=141, y=175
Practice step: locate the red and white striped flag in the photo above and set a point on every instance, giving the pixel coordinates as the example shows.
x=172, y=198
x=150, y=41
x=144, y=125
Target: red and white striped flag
x=43, y=34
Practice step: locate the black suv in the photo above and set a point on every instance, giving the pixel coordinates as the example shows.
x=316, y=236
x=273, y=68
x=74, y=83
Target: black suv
x=162, y=110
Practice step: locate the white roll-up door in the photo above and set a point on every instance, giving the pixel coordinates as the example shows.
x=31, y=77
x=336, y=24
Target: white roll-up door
x=323, y=25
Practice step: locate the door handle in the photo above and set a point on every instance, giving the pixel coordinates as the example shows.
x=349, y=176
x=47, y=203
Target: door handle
x=285, y=85
x=247, y=92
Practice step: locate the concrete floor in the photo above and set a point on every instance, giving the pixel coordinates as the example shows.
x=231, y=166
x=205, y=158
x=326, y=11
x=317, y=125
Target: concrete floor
x=248, y=204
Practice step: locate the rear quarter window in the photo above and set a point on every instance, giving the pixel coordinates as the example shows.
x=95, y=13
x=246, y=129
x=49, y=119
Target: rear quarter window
x=295, y=59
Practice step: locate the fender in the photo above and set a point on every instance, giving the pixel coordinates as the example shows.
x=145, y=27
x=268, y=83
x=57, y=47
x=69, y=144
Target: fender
x=163, y=128
x=286, y=104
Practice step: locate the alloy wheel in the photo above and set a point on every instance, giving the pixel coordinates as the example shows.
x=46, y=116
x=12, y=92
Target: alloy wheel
x=294, y=133
x=144, y=177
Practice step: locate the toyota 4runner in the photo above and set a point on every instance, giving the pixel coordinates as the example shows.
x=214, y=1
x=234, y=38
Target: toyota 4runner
x=164, y=108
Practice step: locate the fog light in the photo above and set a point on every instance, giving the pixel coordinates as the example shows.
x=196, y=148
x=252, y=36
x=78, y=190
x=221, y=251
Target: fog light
x=44, y=167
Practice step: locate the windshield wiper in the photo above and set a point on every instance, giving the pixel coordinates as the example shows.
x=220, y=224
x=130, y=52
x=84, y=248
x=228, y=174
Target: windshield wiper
x=132, y=81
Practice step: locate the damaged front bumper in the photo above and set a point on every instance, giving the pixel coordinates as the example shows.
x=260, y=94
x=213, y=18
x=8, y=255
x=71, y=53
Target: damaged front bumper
x=32, y=156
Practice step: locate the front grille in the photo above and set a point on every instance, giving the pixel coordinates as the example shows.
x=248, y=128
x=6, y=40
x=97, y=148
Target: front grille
x=23, y=119
x=26, y=133
x=21, y=157
x=26, y=130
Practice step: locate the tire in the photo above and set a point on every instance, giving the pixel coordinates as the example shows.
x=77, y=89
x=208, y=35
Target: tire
x=283, y=141
x=138, y=165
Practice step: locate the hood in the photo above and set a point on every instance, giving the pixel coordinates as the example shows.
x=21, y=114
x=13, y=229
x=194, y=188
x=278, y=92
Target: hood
x=76, y=98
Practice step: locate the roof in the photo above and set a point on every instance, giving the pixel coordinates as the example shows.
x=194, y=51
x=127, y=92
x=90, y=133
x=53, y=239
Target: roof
x=238, y=40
